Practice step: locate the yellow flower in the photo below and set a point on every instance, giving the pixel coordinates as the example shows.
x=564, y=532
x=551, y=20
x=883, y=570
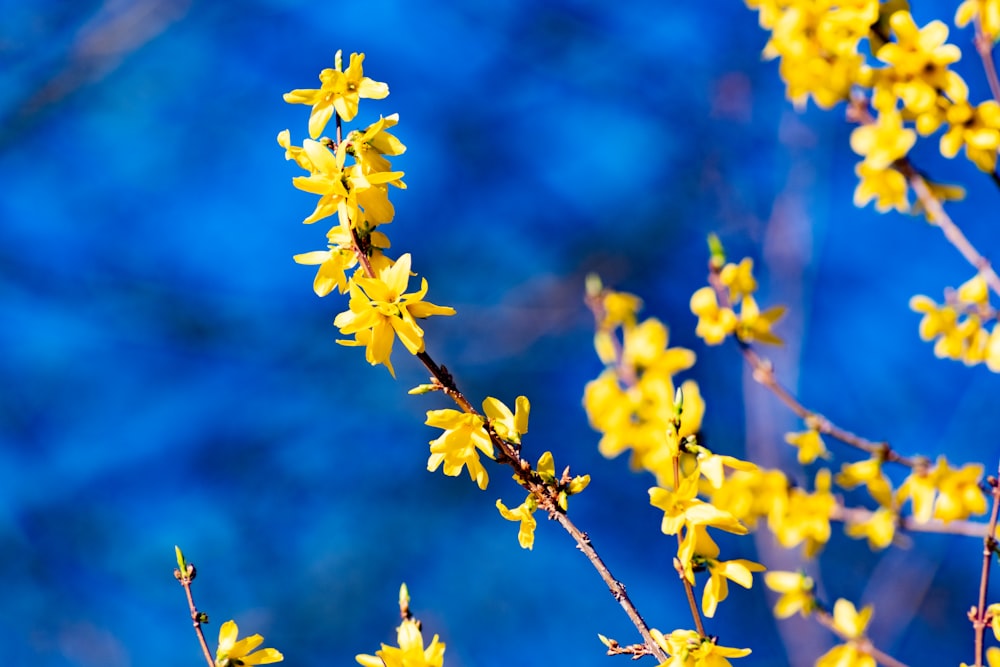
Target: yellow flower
x=457, y=447
x=689, y=649
x=886, y=186
x=525, y=513
x=338, y=91
x=411, y=651
x=714, y=323
x=681, y=508
x=508, y=425
x=739, y=279
x=805, y=517
x=879, y=528
x=884, y=141
x=369, y=145
x=959, y=493
x=332, y=266
x=796, y=590
x=380, y=305
x=988, y=13
x=849, y=621
x=974, y=291
x=845, y=655
x=977, y=128
x=810, y=445
x=756, y=325
x=645, y=345
x=919, y=60
x=233, y=653
x=869, y=473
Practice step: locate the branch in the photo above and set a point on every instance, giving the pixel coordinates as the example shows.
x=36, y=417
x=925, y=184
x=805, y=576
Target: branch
x=197, y=617
x=978, y=615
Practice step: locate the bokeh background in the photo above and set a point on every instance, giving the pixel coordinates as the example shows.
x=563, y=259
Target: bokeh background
x=170, y=378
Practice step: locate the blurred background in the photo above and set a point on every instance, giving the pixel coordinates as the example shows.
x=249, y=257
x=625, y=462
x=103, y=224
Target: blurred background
x=170, y=377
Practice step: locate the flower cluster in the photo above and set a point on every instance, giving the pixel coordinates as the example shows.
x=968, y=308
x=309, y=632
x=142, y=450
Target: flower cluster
x=907, y=78
x=717, y=318
x=410, y=650
x=958, y=326
x=635, y=406
x=380, y=309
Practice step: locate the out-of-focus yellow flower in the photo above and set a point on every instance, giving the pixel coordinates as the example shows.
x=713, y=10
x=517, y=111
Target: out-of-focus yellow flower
x=974, y=291
x=943, y=492
x=457, y=447
x=988, y=13
x=851, y=624
x=796, y=590
x=409, y=653
x=878, y=529
x=525, y=513
x=338, y=91
x=810, y=445
x=886, y=186
x=233, y=653
x=884, y=141
x=739, y=279
x=918, y=62
x=977, y=129
x=714, y=323
x=756, y=325
x=869, y=473
x=805, y=517
x=381, y=306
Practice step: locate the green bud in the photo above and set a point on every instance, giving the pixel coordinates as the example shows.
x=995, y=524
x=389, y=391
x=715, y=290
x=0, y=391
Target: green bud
x=593, y=284
x=424, y=389
x=717, y=254
x=181, y=563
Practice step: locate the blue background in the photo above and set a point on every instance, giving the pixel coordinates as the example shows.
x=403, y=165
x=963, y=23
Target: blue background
x=170, y=378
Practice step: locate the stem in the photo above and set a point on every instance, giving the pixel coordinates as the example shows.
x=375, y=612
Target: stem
x=864, y=645
x=185, y=581
x=978, y=616
x=948, y=227
x=763, y=373
x=984, y=46
x=688, y=588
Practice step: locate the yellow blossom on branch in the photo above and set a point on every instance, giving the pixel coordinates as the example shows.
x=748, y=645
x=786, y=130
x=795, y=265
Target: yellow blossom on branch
x=339, y=91
x=810, y=445
x=851, y=624
x=459, y=446
x=410, y=652
x=869, y=473
x=755, y=325
x=233, y=653
x=883, y=142
x=986, y=11
x=714, y=322
x=878, y=529
x=797, y=593
x=525, y=513
x=687, y=648
x=380, y=305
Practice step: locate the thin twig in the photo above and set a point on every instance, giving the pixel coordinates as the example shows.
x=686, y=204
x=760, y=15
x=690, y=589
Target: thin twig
x=763, y=374
x=688, y=588
x=984, y=46
x=978, y=615
x=910, y=525
x=863, y=645
x=197, y=617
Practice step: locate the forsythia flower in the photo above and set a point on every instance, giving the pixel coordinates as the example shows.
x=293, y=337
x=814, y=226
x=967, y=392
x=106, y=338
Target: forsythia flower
x=463, y=434
x=796, y=590
x=886, y=186
x=698, y=548
x=508, y=425
x=681, y=508
x=879, y=528
x=756, y=325
x=233, y=653
x=805, y=517
x=687, y=648
x=411, y=651
x=739, y=279
x=988, y=13
x=884, y=141
x=338, y=91
x=714, y=322
x=525, y=513
x=379, y=305
x=869, y=473
x=810, y=445
x=977, y=128
x=848, y=621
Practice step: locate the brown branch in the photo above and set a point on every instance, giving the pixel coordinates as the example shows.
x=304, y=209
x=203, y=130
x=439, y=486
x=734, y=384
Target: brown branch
x=763, y=374
x=978, y=616
x=984, y=46
x=908, y=524
x=864, y=645
x=197, y=617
